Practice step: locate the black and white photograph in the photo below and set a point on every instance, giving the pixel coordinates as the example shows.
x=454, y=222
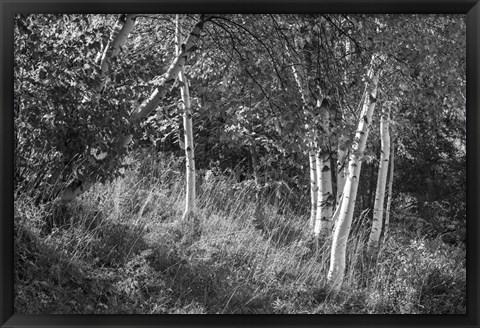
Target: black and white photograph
x=240, y=163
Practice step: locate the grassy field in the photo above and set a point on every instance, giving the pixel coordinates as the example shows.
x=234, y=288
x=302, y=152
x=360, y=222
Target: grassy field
x=121, y=248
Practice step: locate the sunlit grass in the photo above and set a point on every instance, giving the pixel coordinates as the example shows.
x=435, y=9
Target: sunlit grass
x=122, y=248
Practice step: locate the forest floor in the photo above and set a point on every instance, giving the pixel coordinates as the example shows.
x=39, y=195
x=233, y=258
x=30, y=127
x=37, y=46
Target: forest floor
x=122, y=248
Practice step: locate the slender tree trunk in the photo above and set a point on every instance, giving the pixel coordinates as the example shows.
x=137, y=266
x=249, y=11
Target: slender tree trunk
x=341, y=175
x=308, y=104
x=121, y=30
x=166, y=82
x=323, y=222
x=164, y=85
x=336, y=272
x=320, y=186
x=187, y=126
x=389, y=196
x=381, y=185
x=336, y=214
x=313, y=189
x=123, y=26
x=319, y=160
x=370, y=194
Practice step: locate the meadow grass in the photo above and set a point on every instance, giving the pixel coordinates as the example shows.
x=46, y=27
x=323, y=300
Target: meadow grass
x=123, y=248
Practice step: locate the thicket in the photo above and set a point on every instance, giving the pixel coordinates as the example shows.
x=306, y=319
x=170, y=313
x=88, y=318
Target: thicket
x=122, y=248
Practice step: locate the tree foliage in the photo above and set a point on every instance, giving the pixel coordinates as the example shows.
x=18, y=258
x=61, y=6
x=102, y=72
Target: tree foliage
x=244, y=97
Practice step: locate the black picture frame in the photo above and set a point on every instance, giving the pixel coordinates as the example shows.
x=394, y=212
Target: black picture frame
x=7, y=10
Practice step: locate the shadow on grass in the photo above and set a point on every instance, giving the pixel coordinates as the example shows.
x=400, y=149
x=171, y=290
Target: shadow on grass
x=48, y=281
x=77, y=267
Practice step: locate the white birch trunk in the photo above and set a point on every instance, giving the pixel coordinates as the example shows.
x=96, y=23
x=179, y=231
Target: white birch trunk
x=323, y=222
x=313, y=189
x=298, y=74
x=341, y=151
x=318, y=210
x=166, y=82
x=336, y=271
x=305, y=94
x=376, y=229
x=336, y=214
x=390, y=187
x=121, y=30
x=188, y=131
x=341, y=175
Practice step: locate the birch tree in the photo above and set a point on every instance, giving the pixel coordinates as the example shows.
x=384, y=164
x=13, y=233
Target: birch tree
x=316, y=114
x=336, y=271
x=299, y=75
x=389, y=194
x=323, y=222
x=341, y=148
x=313, y=188
x=188, y=132
x=123, y=26
x=381, y=184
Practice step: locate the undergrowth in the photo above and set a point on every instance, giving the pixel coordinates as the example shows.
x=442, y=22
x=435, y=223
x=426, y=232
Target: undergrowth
x=122, y=248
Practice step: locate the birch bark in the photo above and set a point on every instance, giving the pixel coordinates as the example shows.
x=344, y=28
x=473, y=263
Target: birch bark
x=323, y=222
x=304, y=93
x=376, y=229
x=188, y=131
x=313, y=188
x=166, y=82
x=341, y=175
x=390, y=187
x=336, y=271
x=121, y=30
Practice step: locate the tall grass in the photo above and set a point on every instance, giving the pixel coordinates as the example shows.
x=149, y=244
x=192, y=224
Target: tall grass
x=122, y=248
